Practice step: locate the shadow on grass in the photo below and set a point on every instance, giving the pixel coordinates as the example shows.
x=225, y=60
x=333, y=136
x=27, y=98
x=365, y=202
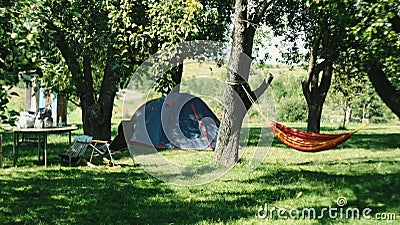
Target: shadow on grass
x=375, y=191
x=386, y=141
x=129, y=196
x=59, y=195
x=86, y=197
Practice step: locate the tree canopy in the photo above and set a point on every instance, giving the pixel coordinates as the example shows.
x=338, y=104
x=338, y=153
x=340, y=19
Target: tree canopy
x=18, y=49
x=378, y=35
x=87, y=50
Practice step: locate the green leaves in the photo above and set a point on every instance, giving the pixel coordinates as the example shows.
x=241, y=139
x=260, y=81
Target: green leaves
x=172, y=22
x=14, y=36
x=19, y=47
x=31, y=29
x=372, y=38
x=375, y=35
x=5, y=117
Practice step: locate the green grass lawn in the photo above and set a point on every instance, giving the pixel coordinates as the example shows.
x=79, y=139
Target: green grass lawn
x=365, y=170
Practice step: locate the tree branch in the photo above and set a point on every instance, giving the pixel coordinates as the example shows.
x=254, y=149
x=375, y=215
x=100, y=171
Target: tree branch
x=87, y=70
x=263, y=6
x=395, y=21
x=322, y=65
x=313, y=58
x=70, y=58
x=253, y=96
x=110, y=78
x=326, y=80
x=73, y=64
x=384, y=88
x=263, y=87
x=306, y=90
x=74, y=102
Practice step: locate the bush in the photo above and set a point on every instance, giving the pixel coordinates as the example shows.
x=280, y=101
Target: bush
x=292, y=109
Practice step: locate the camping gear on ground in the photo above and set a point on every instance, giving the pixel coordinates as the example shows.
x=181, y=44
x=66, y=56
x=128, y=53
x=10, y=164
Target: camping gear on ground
x=26, y=120
x=178, y=121
x=118, y=144
x=74, y=155
x=100, y=147
x=44, y=118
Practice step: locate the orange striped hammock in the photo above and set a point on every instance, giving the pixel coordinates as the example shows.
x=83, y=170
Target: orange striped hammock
x=302, y=140
x=308, y=141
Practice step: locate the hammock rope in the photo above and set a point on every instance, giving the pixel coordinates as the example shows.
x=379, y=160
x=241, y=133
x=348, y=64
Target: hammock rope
x=302, y=140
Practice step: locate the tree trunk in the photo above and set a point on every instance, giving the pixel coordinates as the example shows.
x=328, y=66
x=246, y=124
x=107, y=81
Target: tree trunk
x=314, y=90
x=227, y=150
x=314, y=117
x=315, y=97
x=364, y=112
x=108, y=91
x=236, y=97
x=177, y=77
x=96, y=114
x=395, y=21
x=386, y=91
x=86, y=95
x=347, y=113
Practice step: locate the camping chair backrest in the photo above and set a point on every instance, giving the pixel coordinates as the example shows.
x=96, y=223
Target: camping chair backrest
x=75, y=153
x=83, y=139
x=79, y=146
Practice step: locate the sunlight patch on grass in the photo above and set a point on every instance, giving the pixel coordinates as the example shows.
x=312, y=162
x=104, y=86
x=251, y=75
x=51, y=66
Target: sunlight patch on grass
x=188, y=157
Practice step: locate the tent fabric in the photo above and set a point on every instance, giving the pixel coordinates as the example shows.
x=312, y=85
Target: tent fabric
x=179, y=121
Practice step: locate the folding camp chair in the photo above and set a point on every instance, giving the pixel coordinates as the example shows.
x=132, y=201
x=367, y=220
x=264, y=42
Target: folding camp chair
x=104, y=148
x=73, y=156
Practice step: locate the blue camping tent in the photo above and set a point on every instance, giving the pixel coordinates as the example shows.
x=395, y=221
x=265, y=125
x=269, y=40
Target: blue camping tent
x=179, y=121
